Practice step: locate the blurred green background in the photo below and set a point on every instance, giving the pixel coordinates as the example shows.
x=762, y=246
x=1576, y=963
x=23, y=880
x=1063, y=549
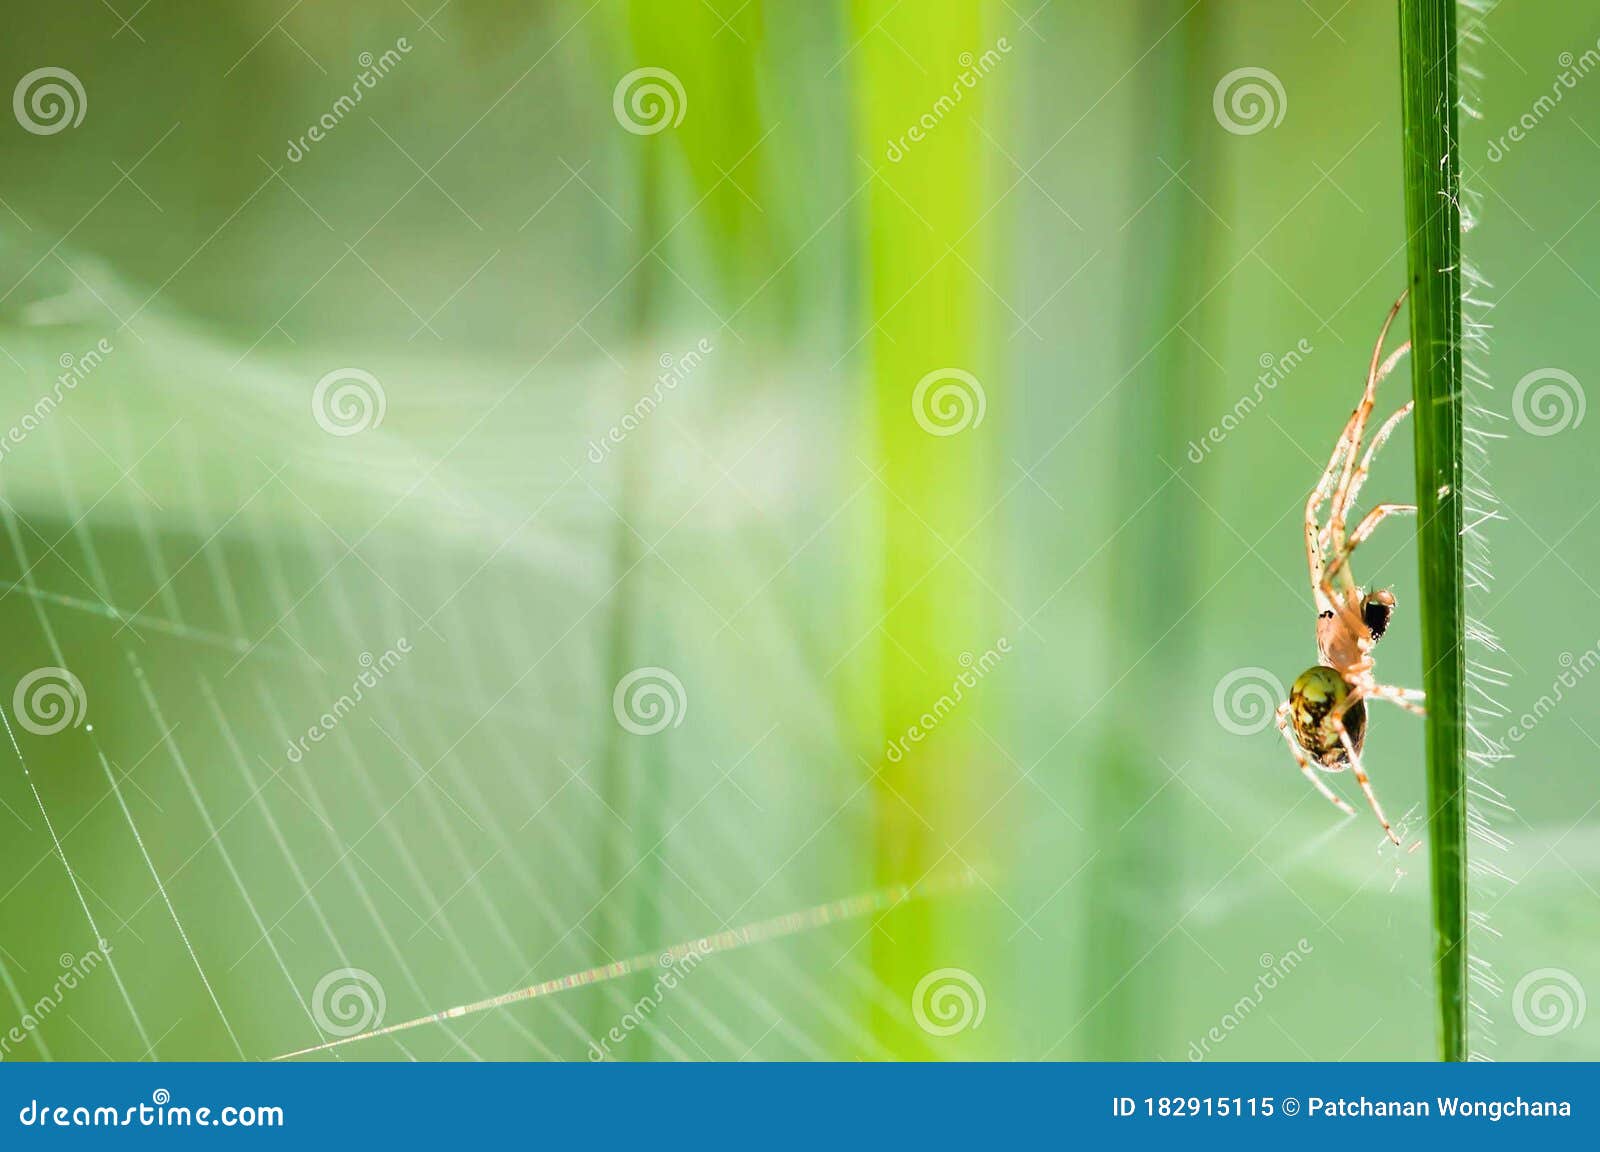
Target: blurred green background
x=1086, y=261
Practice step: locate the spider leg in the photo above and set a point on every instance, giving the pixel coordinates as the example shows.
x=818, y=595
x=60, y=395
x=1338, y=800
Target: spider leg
x=1314, y=531
x=1407, y=698
x=1378, y=368
x=1345, y=606
x=1339, y=565
x=1379, y=439
x=1344, y=495
x=1368, y=525
x=1376, y=371
x=1336, y=479
x=1361, y=773
x=1316, y=535
x=1304, y=761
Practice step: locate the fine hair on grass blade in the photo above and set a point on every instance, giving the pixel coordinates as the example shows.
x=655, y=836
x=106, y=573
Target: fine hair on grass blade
x=1487, y=806
x=1431, y=167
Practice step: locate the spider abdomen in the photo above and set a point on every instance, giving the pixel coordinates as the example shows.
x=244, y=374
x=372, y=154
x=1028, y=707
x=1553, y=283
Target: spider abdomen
x=1317, y=693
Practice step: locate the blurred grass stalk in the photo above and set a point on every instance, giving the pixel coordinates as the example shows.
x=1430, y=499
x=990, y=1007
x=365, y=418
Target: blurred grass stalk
x=926, y=244
x=706, y=173
x=1129, y=979
x=1429, y=97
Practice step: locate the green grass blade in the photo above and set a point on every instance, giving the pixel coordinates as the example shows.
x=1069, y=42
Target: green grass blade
x=1433, y=221
x=1129, y=978
x=925, y=313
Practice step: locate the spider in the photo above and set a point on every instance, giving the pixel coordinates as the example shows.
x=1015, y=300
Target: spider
x=1324, y=720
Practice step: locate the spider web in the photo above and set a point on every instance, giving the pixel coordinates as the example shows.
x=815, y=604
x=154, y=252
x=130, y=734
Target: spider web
x=218, y=585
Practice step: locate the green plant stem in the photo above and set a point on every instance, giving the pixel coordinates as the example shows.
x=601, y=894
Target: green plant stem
x=924, y=313
x=1128, y=977
x=1433, y=221
x=625, y=784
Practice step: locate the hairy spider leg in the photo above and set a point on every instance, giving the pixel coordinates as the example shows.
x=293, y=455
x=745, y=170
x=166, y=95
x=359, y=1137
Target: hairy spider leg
x=1376, y=371
x=1305, y=762
x=1344, y=496
x=1353, y=478
x=1365, y=528
x=1332, y=484
x=1379, y=439
x=1355, y=766
x=1319, y=495
x=1333, y=538
x=1407, y=698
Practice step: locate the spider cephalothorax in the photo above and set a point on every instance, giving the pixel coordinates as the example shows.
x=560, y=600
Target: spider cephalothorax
x=1343, y=637
x=1325, y=717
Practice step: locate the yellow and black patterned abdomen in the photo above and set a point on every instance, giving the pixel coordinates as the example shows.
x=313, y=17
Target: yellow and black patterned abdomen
x=1316, y=693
